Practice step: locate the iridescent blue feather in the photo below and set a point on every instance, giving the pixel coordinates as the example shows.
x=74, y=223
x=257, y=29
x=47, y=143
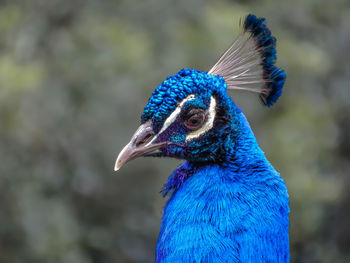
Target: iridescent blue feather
x=251, y=61
x=226, y=201
x=266, y=43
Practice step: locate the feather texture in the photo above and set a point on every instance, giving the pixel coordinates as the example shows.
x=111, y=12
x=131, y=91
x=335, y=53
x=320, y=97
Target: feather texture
x=237, y=212
x=249, y=63
x=226, y=202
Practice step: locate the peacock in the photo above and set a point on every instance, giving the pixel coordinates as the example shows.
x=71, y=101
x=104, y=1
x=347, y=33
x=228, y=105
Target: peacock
x=226, y=201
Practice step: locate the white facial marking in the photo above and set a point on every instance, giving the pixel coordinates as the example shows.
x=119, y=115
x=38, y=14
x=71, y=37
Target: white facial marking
x=209, y=123
x=173, y=116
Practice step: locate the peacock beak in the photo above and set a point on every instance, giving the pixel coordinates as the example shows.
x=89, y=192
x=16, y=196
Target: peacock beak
x=141, y=143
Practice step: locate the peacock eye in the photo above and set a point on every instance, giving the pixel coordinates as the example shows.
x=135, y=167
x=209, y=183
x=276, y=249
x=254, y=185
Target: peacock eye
x=195, y=119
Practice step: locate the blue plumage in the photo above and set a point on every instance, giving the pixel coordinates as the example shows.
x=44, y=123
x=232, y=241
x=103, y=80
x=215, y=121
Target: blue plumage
x=237, y=212
x=227, y=203
x=266, y=43
x=166, y=96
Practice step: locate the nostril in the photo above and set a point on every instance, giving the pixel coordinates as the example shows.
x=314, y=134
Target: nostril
x=144, y=139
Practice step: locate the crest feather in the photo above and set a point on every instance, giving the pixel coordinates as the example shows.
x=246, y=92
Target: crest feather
x=249, y=63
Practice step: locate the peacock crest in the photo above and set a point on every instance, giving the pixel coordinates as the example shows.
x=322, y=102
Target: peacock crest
x=249, y=63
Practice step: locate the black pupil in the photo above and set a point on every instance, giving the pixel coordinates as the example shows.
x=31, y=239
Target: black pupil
x=194, y=121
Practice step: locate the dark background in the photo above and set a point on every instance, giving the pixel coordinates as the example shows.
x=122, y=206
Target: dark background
x=74, y=78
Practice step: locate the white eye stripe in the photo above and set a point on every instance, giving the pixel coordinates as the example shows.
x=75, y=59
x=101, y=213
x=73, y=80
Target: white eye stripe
x=175, y=113
x=173, y=116
x=209, y=123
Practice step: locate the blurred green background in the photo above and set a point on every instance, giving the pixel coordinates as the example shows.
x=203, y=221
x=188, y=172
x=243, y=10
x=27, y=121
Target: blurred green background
x=74, y=78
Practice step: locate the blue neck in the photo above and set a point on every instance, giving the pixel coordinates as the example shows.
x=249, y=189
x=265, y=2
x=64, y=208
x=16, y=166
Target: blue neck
x=236, y=211
x=241, y=152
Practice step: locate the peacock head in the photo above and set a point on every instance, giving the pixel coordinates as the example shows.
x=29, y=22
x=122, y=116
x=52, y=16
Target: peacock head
x=191, y=116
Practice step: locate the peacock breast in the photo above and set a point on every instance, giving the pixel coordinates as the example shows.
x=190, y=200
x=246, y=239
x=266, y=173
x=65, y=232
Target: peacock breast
x=223, y=214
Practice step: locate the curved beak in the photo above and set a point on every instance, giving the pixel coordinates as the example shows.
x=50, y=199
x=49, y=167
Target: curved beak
x=141, y=143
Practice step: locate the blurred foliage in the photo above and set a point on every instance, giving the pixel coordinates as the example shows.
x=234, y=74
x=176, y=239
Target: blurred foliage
x=74, y=78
